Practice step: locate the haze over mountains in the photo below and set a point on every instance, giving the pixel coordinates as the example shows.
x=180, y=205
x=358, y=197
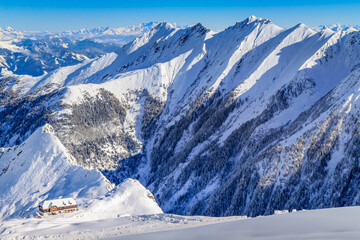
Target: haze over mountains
x=8, y=33
x=239, y=122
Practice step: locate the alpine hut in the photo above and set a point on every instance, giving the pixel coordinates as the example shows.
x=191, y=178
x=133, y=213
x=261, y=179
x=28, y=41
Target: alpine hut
x=55, y=206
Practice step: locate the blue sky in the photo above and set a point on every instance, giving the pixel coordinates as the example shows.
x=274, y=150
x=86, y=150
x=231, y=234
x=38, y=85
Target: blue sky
x=66, y=15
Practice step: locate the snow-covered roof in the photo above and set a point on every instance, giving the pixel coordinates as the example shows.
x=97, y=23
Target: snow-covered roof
x=62, y=202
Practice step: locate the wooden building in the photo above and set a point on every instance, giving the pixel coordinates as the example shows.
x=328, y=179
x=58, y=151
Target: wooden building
x=56, y=206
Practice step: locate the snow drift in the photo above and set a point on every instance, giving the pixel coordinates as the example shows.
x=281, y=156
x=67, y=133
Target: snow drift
x=130, y=198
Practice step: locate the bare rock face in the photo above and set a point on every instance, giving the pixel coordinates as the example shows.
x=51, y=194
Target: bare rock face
x=48, y=129
x=249, y=120
x=94, y=132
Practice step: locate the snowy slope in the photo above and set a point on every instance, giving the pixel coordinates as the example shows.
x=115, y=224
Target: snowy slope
x=336, y=223
x=130, y=198
x=339, y=223
x=127, y=202
x=40, y=169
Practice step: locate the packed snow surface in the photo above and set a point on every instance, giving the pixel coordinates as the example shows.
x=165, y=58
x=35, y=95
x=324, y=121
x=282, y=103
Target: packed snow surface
x=336, y=223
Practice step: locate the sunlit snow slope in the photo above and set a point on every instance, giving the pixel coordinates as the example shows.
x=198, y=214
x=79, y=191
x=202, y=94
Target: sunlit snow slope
x=126, y=203
x=130, y=198
x=39, y=169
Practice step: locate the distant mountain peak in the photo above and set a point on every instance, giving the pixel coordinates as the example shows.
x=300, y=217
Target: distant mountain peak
x=338, y=27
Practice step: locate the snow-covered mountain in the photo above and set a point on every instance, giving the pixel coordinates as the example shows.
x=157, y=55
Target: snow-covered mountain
x=239, y=122
x=9, y=33
x=339, y=27
x=40, y=168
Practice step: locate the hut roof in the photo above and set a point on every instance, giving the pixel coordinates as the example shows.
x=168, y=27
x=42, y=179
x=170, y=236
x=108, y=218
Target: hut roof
x=62, y=202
